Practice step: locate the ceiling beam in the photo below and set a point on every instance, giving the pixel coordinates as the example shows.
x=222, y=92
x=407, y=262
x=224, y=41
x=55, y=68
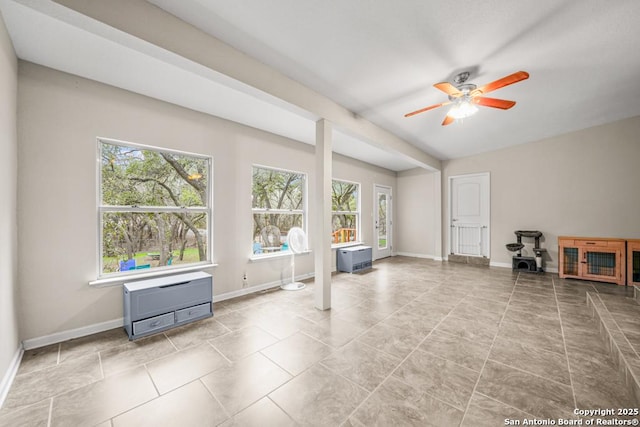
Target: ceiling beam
x=156, y=26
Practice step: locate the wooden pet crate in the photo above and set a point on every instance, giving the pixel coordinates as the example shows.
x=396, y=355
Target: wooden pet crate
x=633, y=262
x=592, y=258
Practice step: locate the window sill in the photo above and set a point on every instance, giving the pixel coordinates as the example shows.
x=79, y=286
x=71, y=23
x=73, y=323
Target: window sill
x=119, y=280
x=346, y=245
x=280, y=254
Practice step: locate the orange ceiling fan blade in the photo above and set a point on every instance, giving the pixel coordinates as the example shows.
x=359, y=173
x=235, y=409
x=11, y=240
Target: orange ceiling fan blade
x=448, y=120
x=503, y=104
x=505, y=81
x=422, y=110
x=448, y=88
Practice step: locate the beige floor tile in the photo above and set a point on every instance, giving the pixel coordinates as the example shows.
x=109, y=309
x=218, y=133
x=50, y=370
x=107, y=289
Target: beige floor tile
x=180, y=368
x=307, y=310
x=189, y=405
x=262, y=413
x=360, y=315
x=243, y=342
x=83, y=346
x=550, y=340
x=526, y=392
x=530, y=307
x=245, y=382
x=404, y=319
x=39, y=358
x=362, y=364
x=597, y=381
x=398, y=404
x=441, y=378
x=549, y=323
x=468, y=311
x=333, y=331
x=36, y=415
x=395, y=341
x=35, y=386
x=318, y=397
x=540, y=295
x=550, y=365
x=235, y=320
x=486, y=304
x=282, y=325
x=104, y=399
x=469, y=354
x=196, y=333
x=486, y=412
x=473, y=330
x=394, y=306
x=135, y=353
x=297, y=352
x=382, y=305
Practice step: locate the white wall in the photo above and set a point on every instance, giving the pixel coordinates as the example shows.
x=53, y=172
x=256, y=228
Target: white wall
x=9, y=341
x=59, y=118
x=583, y=183
x=418, y=217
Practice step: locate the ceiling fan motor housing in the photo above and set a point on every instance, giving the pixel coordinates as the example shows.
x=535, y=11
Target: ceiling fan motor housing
x=465, y=89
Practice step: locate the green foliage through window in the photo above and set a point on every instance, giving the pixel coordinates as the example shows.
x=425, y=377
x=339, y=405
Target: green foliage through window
x=278, y=204
x=154, y=207
x=345, y=204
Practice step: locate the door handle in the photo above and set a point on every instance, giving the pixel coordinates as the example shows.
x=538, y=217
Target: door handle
x=454, y=220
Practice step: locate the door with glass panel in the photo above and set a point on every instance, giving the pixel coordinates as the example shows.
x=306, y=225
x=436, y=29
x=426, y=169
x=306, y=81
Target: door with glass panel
x=382, y=236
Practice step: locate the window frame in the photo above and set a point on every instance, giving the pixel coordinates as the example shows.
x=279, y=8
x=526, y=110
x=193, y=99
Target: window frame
x=357, y=213
x=102, y=209
x=303, y=211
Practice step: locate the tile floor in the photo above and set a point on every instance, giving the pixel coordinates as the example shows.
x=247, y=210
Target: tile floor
x=411, y=342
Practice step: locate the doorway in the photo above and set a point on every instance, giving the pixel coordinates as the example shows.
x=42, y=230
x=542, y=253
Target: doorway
x=469, y=215
x=382, y=236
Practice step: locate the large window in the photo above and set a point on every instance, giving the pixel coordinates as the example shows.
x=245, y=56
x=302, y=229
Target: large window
x=154, y=208
x=345, y=206
x=278, y=203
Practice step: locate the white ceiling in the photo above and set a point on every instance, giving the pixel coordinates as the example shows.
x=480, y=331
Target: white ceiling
x=378, y=59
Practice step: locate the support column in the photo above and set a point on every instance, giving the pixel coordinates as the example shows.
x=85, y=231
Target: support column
x=322, y=224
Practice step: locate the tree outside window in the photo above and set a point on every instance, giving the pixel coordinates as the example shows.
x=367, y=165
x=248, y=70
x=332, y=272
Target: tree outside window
x=154, y=207
x=278, y=204
x=345, y=205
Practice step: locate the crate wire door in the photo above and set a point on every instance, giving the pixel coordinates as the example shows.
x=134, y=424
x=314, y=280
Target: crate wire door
x=467, y=239
x=600, y=263
x=571, y=262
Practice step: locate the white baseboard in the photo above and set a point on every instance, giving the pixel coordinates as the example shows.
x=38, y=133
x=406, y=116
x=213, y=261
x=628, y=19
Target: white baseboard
x=9, y=376
x=72, y=333
x=416, y=255
x=257, y=288
x=119, y=323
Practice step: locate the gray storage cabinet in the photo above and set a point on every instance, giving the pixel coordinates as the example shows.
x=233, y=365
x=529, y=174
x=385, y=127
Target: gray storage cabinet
x=353, y=259
x=155, y=305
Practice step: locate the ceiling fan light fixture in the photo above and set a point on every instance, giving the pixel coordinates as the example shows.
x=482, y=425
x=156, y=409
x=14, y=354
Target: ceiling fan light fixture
x=462, y=110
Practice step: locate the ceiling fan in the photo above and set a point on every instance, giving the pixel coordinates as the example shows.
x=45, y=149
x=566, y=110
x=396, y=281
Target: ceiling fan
x=465, y=96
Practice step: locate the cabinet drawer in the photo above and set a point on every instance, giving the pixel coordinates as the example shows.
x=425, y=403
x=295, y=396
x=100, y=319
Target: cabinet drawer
x=193, y=312
x=592, y=243
x=153, y=323
x=153, y=301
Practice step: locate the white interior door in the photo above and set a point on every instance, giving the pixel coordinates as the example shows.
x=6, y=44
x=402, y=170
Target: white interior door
x=469, y=208
x=382, y=222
